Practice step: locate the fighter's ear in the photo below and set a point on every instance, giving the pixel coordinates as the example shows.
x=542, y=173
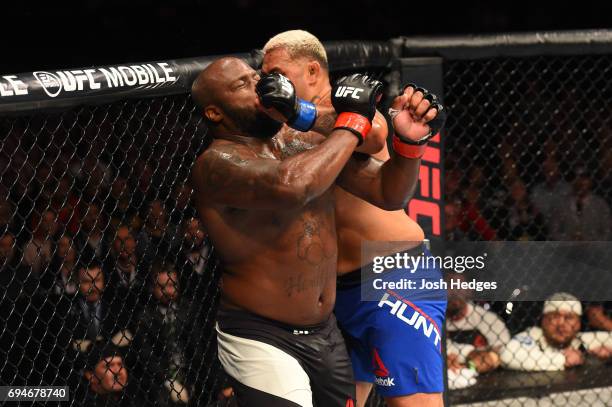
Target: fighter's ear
x=213, y=114
x=313, y=70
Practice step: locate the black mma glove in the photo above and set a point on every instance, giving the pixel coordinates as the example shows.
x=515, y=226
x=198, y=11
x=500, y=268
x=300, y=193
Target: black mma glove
x=354, y=98
x=276, y=91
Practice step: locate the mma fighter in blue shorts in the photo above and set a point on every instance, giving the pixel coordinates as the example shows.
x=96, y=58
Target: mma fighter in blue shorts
x=394, y=342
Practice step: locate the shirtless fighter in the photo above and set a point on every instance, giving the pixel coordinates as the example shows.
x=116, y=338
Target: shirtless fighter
x=405, y=364
x=267, y=203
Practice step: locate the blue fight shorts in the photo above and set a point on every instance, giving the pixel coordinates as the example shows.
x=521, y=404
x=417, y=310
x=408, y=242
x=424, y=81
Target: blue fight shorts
x=395, y=338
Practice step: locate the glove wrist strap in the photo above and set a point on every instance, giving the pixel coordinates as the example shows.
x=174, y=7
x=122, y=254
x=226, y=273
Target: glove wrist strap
x=408, y=150
x=359, y=125
x=305, y=116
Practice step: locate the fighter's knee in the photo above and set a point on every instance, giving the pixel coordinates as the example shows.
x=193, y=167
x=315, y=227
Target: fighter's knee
x=416, y=400
x=362, y=391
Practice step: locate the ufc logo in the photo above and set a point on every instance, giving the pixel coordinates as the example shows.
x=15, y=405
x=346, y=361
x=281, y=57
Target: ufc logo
x=344, y=91
x=285, y=84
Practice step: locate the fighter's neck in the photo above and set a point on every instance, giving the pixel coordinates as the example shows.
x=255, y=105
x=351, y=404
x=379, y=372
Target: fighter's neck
x=323, y=95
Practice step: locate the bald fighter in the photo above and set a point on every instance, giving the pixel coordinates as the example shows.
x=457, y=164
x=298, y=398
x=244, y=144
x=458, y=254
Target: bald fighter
x=267, y=204
x=405, y=364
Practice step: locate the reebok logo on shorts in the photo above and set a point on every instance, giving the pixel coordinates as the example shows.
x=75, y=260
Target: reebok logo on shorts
x=387, y=382
x=380, y=371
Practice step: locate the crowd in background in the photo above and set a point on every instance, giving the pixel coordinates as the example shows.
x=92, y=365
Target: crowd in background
x=559, y=201
x=105, y=269
x=100, y=267
x=570, y=206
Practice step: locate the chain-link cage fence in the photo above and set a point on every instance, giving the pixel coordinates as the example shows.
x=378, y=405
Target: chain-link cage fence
x=106, y=270
x=109, y=285
x=528, y=158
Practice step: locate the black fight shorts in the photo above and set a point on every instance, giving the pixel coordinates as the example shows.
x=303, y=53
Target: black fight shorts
x=272, y=364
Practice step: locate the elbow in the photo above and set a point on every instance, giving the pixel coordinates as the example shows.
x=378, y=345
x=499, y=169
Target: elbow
x=396, y=203
x=294, y=191
x=393, y=206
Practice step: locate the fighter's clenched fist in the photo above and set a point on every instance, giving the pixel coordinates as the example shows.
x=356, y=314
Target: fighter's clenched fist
x=417, y=116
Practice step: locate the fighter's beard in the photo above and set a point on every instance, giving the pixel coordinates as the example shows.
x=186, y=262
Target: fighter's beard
x=256, y=123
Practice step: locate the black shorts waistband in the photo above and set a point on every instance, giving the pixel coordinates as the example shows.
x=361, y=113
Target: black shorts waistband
x=230, y=319
x=352, y=279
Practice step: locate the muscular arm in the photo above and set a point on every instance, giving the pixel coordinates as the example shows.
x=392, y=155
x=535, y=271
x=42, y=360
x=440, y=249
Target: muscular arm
x=374, y=142
x=232, y=175
x=388, y=185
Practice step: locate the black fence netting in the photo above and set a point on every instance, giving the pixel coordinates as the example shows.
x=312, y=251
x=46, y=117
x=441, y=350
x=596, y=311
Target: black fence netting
x=109, y=285
x=528, y=158
x=106, y=270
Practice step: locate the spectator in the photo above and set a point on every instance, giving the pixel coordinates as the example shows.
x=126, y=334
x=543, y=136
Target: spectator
x=196, y=247
x=452, y=217
x=91, y=239
x=523, y=221
x=474, y=223
x=142, y=191
x=63, y=266
x=117, y=206
x=105, y=380
x=181, y=204
x=65, y=204
x=556, y=344
x=11, y=276
x=93, y=317
x=7, y=250
x=452, y=185
x=547, y=194
x=157, y=237
x=583, y=215
x=44, y=182
x=37, y=252
x=122, y=266
x=166, y=330
x=598, y=316
x=475, y=335
x=91, y=173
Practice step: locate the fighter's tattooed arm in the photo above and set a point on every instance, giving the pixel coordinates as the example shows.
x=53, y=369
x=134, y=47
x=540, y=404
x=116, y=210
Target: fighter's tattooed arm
x=326, y=118
x=231, y=174
x=388, y=185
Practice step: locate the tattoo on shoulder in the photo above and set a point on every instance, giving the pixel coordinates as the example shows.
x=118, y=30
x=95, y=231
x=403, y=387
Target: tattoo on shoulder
x=214, y=171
